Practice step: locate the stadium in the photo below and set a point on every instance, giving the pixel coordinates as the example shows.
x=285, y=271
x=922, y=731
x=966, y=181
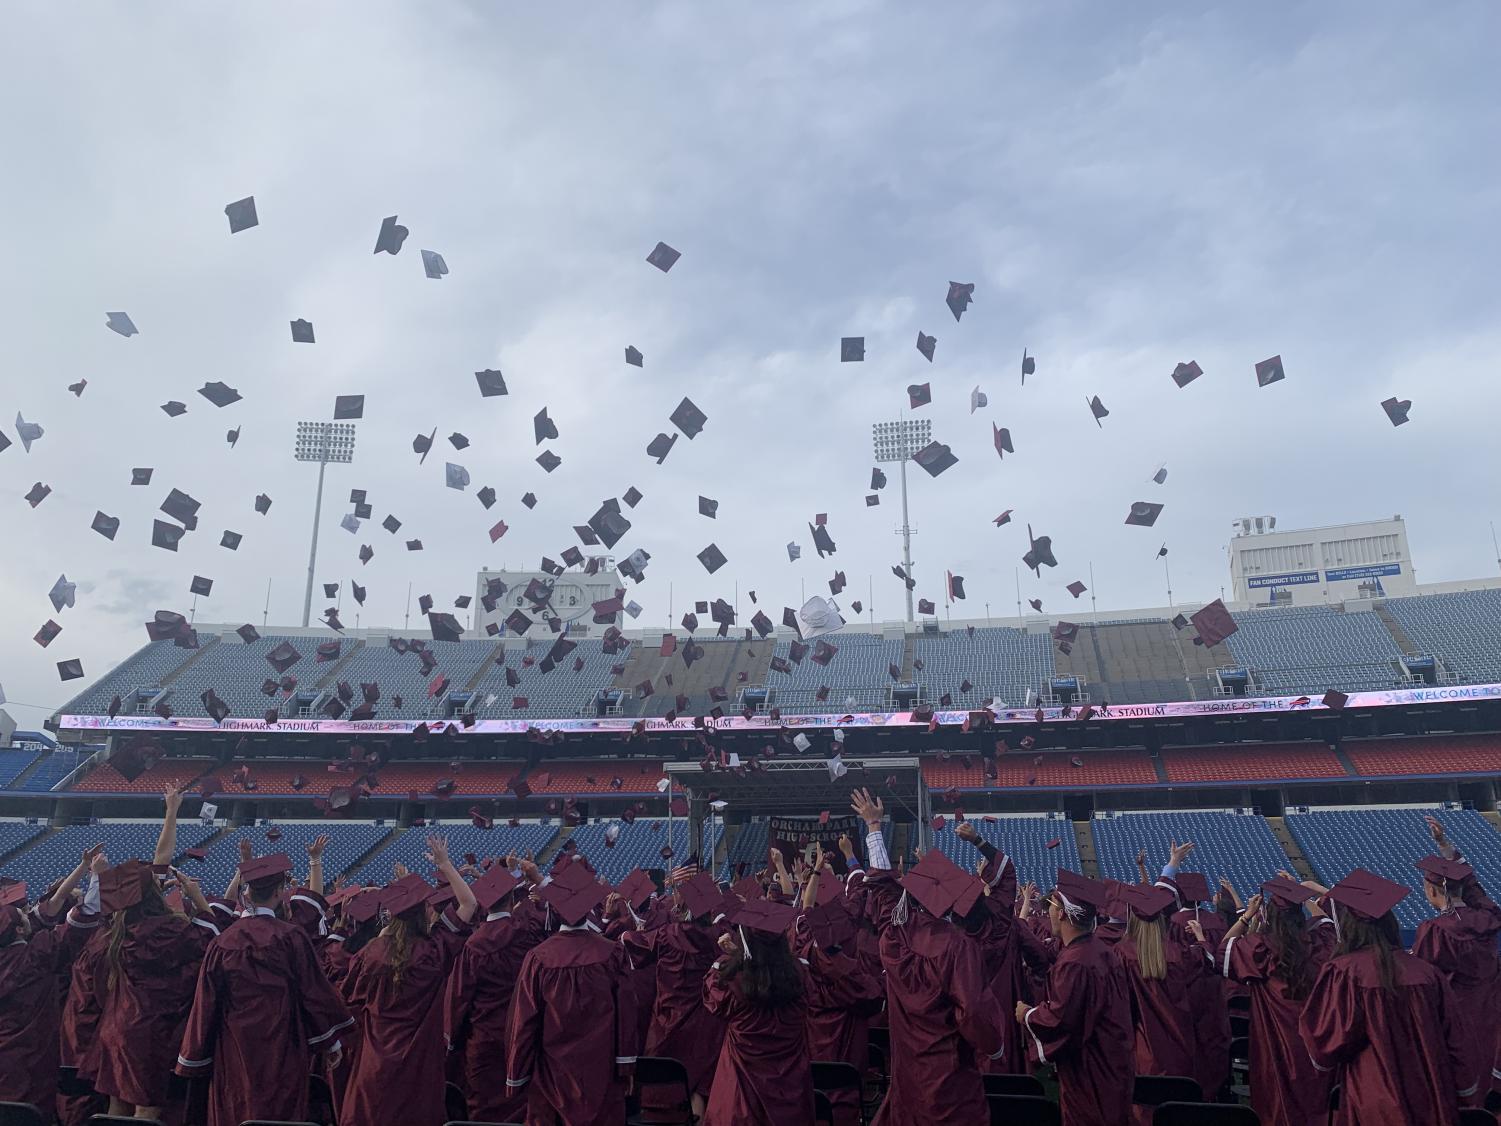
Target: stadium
x=1071, y=742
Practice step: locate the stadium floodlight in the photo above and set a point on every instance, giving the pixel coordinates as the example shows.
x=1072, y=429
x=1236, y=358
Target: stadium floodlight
x=321, y=442
x=898, y=441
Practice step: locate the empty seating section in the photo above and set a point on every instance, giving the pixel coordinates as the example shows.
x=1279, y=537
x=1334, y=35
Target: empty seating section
x=146, y=668
x=1388, y=842
x=1024, y=839
x=13, y=834
x=1003, y=664
x=1455, y=754
x=398, y=674
x=857, y=677
x=236, y=670
x=1100, y=768
x=715, y=668
x=54, y=767
x=640, y=846
x=1268, y=763
x=14, y=763
x=596, y=777
x=1239, y=847
x=1312, y=649
x=394, y=779
x=347, y=842
x=410, y=847
x=751, y=848
x=102, y=778
x=561, y=691
x=1462, y=628
x=56, y=856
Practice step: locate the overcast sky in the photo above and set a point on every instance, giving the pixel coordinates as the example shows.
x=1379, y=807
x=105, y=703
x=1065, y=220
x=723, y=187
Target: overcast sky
x=1127, y=186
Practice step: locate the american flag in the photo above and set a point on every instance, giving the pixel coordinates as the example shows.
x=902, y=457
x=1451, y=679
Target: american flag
x=684, y=872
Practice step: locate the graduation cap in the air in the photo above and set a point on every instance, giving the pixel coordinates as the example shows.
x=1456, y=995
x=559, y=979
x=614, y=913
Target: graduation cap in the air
x=28, y=432
x=1143, y=513
x=201, y=586
x=919, y=394
x=1213, y=624
x=263, y=504
x=172, y=408
x=349, y=406
x=1161, y=551
x=121, y=323
x=926, y=344
x=433, y=265
x=165, y=535
x=47, y=633
x=1184, y=374
x=959, y=296
x=1160, y=475
x=633, y=356
x=392, y=235
x=423, y=444
x=956, y=586
x=241, y=214
x=1335, y=700
x=283, y=656
x=445, y=626
x=689, y=419
x=63, y=593
x=823, y=542
x=491, y=383
x=1269, y=371
x=458, y=441
x=663, y=256
x=935, y=457
x=1040, y=553
x=543, y=427
x=1396, y=409
x=77, y=388
x=712, y=558
x=1001, y=437
x=455, y=476
x=661, y=446
x=851, y=349
x=978, y=399
x=106, y=526
x=708, y=507
x=220, y=394
x=1099, y=411
x=632, y=496
x=549, y=460
x=302, y=332
x=70, y=670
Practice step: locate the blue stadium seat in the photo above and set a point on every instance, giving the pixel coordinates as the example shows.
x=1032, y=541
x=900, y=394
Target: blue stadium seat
x=146, y=668
x=640, y=845
x=1307, y=650
x=400, y=674
x=558, y=693
x=857, y=677
x=410, y=848
x=1003, y=664
x=56, y=855
x=54, y=767
x=1239, y=847
x=13, y=763
x=13, y=834
x=1462, y=628
x=348, y=841
x=1024, y=839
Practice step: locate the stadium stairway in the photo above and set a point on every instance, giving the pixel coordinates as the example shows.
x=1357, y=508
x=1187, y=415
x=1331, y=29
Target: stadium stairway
x=1394, y=627
x=203, y=647
x=1089, y=864
x=1298, y=863
x=20, y=780
x=336, y=674
x=479, y=674
x=554, y=846
x=1138, y=662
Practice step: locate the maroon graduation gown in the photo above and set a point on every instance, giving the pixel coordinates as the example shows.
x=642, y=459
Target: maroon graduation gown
x=477, y=1009
x=572, y=1039
x=29, y=1010
x=1084, y=1027
x=1286, y=1090
x=1209, y=995
x=262, y=1008
x=765, y=1074
x=334, y=955
x=1016, y=963
x=680, y=1025
x=1161, y=1012
x=842, y=997
x=80, y=1022
x=943, y=1018
x=143, y=1013
x=1461, y=944
x=398, y=1077
x=1396, y=1053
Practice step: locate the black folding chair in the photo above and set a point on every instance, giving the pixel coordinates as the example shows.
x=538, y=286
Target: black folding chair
x=663, y=1071
x=1239, y=1004
x=1476, y=1116
x=70, y=1085
x=1009, y=1084
x=1023, y=1110
x=1240, y=1024
x=21, y=1114
x=823, y=1110
x=1154, y=1090
x=454, y=1103
x=1204, y=1114
x=832, y=1075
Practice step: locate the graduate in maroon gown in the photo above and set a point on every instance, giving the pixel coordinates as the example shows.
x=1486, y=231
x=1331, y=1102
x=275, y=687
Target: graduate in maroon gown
x=1208, y=993
x=682, y=951
x=636, y=906
x=1461, y=944
x=395, y=991
x=765, y=1075
x=1160, y=974
x=572, y=1040
x=1382, y=1020
x=358, y=924
x=262, y=1009
x=31, y=957
x=1084, y=1024
x=943, y=1018
x=1277, y=964
x=477, y=1003
x=146, y=987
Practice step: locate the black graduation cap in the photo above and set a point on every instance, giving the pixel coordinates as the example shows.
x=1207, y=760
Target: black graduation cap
x=201, y=585
x=822, y=541
x=1143, y=513
x=391, y=524
x=956, y=587
x=182, y=508
x=661, y=446
x=249, y=635
x=837, y=583
x=663, y=256
x=486, y=496
x=1097, y=409
x=173, y=408
x=458, y=441
x=1029, y=365
x=241, y=214
x=1076, y=588
x=529, y=499
x=877, y=478
x=609, y=524
x=632, y=496
x=302, y=332
x=357, y=591
x=77, y=388
x=392, y=235
x=232, y=437
x=263, y=504
x=518, y=623
x=433, y=265
x=572, y=556
x=140, y=476
x=919, y=394
x=165, y=535
x=349, y=406
x=633, y=356
x=121, y=323
x=689, y=419
x=1040, y=553
x=284, y=656
x=106, y=526
x=926, y=344
x=363, y=511
x=331, y=590
x=543, y=427
x=551, y=568
x=1180, y=622
x=220, y=394
x=1001, y=436
x=549, y=460
x=1269, y=371
x=960, y=295
x=1396, y=409
x=851, y=349
x=935, y=457
x=423, y=444
x=712, y=558
x=491, y=383
x=70, y=670
x=1160, y=477
x=48, y=631
x=707, y=507
x=414, y=545
x=1184, y=374
x=1161, y=551
x=38, y=493
x=444, y=626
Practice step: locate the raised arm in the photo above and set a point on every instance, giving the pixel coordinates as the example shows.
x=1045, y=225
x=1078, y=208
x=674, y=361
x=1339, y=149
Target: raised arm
x=315, y=863
x=166, y=842
x=810, y=890
x=53, y=906
x=437, y=852
x=783, y=878
x=1141, y=866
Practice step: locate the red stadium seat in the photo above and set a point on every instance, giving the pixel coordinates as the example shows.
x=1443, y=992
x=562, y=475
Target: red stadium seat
x=105, y=779
x=574, y=777
x=1452, y=754
x=1101, y=768
x=1261, y=763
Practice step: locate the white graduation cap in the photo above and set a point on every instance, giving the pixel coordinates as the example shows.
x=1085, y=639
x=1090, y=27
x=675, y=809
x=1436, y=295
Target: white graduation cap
x=29, y=431
x=837, y=769
x=662, y=784
x=207, y=812
x=977, y=399
x=839, y=735
x=433, y=265
x=633, y=608
x=612, y=834
x=62, y=592
x=734, y=759
x=350, y=523
x=819, y=616
x=794, y=553
x=801, y=741
x=455, y=476
x=719, y=805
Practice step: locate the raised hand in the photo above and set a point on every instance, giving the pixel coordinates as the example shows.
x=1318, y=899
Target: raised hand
x=846, y=845
x=246, y=855
x=437, y=851
x=1253, y=905
x=1436, y=828
x=530, y=870
x=728, y=944
x=1196, y=930
x=172, y=795
x=315, y=849
x=869, y=809
x=967, y=832
x=86, y=862
x=100, y=863
x=400, y=871
x=1179, y=852
x=1141, y=857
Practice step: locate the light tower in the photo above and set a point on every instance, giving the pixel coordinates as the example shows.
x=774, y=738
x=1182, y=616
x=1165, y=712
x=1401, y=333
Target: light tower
x=898, y=441
x=322, y=442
